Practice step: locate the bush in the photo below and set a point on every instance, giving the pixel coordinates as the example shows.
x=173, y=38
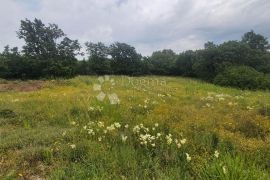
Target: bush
x=251, y=129
x=265, y=111
x=243, y=77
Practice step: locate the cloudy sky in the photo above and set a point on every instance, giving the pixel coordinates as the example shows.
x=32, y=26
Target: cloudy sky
x=148, y=25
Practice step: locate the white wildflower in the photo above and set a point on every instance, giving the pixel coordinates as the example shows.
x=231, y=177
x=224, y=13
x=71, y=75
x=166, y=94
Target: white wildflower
x=64, y=133
x=91, y=108
x=183, y=141
x=126, y=126
x=100, y=124
x=91, y=132
x=216, y=154
x=224, y=168
x=156, y=124
x=188, y=157
x=136, y=129
x=124, y=138
x=117, y=125
x=169, y=139
x=111, y=127
x=73, y=146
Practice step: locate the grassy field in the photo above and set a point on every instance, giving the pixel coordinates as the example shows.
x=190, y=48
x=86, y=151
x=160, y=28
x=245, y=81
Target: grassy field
x=144, y=128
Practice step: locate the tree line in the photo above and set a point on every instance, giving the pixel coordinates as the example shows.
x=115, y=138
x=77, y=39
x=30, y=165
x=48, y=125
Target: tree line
x=49, y=53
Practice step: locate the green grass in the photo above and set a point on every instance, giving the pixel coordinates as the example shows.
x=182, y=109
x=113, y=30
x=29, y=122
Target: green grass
x=47, y=133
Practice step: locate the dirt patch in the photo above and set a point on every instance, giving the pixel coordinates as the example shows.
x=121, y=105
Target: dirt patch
x=23, y=86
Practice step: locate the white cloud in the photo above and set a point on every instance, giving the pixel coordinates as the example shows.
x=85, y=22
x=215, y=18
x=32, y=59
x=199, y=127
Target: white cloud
x=148, y=25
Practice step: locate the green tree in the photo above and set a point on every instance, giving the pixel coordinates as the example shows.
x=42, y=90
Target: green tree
x=125, y=59
x=184, y=63
x=40, y=40
x=45, y=56
x=256, y=41
x=98, y=58
x=163, y=62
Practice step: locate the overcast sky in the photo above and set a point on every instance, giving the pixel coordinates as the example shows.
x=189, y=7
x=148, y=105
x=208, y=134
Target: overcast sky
x=148, y=25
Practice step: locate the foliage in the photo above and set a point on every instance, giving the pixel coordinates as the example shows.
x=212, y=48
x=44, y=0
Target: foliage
x=163, y=62
x=48, y=133
x=242, y=77
x=125, y=59
x=49, y=53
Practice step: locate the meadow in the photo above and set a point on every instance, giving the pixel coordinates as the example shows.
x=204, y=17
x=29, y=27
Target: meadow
x=119, y=127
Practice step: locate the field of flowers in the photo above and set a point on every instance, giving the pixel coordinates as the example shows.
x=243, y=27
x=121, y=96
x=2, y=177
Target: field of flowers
x=122, y=127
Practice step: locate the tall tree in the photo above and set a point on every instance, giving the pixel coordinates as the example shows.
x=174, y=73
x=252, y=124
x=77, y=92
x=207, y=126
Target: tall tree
x=125, y=59
x=48, y=49
x=98, y=58
x=163, y=62
x=40, y=40
x=256, y=41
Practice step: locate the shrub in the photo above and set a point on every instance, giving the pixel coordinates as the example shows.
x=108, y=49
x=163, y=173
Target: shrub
x=7, y=113
x=243, y=77
x=265, y=110
x=251, y=130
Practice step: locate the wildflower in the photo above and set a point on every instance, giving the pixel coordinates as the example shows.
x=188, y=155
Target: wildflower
x=111, y=128
x=136, y=129
x=105, y=131
x=117, y=125
x=91, y=108
x=126, y=126
x=169, y=139
x=153, y=129
x=124, y=138
x=73, y=123
x=99, y=139
x=156, y=124
x=188, y=157
x=208, y=105
x=64, y=133
x=153, y=145
x=91, y=132
x=221, y=99
x=73, y=146
x=100, y=124
x=216, y=154
x=158, y=135
x=224, y=168
x=183, y=141
x=84, y=127
x=20, y=174
x=178, y=145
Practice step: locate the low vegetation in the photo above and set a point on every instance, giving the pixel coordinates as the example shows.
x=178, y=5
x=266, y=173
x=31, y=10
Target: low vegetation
x=161, y=128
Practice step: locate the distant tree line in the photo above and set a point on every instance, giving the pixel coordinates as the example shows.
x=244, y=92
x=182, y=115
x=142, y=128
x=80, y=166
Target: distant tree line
x=49, y=53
